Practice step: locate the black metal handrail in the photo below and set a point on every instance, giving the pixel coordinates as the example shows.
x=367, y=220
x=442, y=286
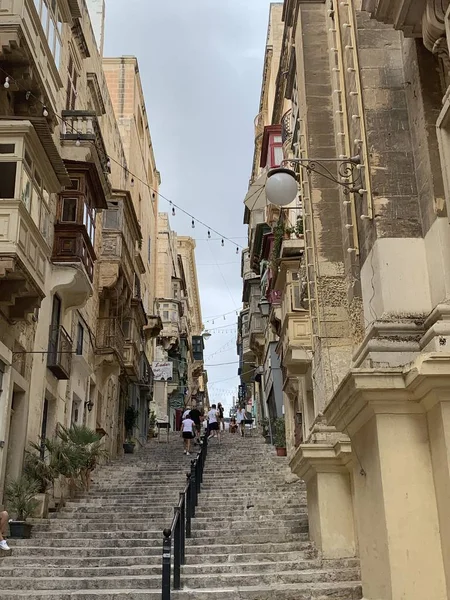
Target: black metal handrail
x=181, y=527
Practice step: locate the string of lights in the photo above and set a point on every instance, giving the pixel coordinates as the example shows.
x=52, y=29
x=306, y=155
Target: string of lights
x=9, y=79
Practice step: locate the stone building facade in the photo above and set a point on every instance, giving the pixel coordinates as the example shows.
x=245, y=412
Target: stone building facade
x=357, y=286
x=79, y=319
x=180, y=342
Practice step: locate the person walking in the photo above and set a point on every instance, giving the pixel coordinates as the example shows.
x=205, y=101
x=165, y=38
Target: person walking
x=213, y=423
x=240, y=420
x=3, y=528
x=187, y=428
x=196, y=416
x=220, y=417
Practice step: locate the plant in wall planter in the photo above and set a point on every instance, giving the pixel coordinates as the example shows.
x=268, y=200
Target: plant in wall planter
x=131, y=419
x=21, y=502
x=280, y=436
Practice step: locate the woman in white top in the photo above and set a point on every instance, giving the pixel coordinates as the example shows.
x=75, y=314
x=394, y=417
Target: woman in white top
x=213, y=423
x=187, y=428
x=240, y=420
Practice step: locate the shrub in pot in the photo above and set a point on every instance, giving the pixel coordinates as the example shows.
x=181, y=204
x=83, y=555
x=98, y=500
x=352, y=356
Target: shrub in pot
x=280, y=436
x=21, y=502
x=131, y=419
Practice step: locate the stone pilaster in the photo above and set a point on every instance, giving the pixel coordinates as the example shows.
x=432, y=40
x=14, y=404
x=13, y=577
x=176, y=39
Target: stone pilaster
x=398, y=420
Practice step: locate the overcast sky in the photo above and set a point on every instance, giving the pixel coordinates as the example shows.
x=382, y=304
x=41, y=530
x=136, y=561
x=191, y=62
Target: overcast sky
x=201, y=65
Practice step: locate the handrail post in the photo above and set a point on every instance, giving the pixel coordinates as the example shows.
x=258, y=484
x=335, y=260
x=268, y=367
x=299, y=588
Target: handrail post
x=198, y=475
x=183, y=526
x=177, y=550
x=188, y=506
x=193, y=489
x=167, y=552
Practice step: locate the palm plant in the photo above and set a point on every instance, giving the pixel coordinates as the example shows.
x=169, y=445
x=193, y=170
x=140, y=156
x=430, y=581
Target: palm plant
x=39, y=466
x=20, y=496
x=84, y=449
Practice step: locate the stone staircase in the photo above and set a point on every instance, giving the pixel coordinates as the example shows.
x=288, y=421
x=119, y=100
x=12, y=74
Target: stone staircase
x=250, y=535
x=249, y=542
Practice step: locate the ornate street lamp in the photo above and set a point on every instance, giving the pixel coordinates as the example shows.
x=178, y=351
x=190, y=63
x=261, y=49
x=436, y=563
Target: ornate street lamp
x=282, y=181
x=206, y=335
x=264, y=307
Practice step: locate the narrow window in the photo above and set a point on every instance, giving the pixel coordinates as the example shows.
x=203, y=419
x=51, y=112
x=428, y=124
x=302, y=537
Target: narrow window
x=80, y=339
x=7, y=179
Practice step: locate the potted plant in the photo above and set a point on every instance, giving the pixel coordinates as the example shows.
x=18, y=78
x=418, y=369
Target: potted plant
x=20, y=499
x=131, y=418
x=280, y=436
x=43, y=471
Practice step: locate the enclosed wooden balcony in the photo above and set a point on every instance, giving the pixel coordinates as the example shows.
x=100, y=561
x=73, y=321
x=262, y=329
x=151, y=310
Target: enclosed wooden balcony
x=117, y=261
x=133, y=328
x=60, y=351
x=82, y=141
x=27, y=177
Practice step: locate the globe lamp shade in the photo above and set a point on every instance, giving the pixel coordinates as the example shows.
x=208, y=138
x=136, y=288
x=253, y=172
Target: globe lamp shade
x=281, y=186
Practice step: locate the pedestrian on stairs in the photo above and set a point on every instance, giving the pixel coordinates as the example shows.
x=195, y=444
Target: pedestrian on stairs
x=220, y=419
x=240, y=420
x=187, y=428
x=213, y=423
x=3, y=526
x=196, y=416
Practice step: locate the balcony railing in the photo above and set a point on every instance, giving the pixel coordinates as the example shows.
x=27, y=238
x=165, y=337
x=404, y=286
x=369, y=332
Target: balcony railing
x=145, y=372
x=60, y=350
x=83, y=125
x=286, y=127
x=110, y=336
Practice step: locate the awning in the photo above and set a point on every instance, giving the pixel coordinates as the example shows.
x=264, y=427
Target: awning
x=256, y=195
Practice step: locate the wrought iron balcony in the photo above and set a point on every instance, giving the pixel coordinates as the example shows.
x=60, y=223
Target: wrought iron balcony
x=286, y=129
x=60, y=350
x=110, y=337
x=145, y=372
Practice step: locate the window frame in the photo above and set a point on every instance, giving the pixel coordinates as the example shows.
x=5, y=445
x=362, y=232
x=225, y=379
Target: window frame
x=52, y=25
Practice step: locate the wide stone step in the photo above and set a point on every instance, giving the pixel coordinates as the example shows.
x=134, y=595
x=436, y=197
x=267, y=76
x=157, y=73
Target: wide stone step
x=250, y=529
x=99, y=542
x=276, y=566
x=38, y=573
x=272, y=547
x=247, y=538
x=326, y=591
x=106, y=535
x=198, y=580
x=91, y=552
x=60, y=561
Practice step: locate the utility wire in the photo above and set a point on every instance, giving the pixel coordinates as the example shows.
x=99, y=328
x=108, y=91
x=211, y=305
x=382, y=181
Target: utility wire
x=125, y=168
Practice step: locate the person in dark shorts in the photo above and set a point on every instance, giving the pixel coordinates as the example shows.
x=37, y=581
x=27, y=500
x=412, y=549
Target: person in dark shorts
x=187, y=428
x=196, y=416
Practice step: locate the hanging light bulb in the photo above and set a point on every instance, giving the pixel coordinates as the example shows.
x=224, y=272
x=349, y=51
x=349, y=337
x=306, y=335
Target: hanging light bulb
x=132, y=182
x=209, y=234
x=45, y=111
x=193, y=224
x=6, y=84
x=237, y=250
x=223, y=243
x=27, y=95
x=78, y=142
x=108, y=165
x=173, y=211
